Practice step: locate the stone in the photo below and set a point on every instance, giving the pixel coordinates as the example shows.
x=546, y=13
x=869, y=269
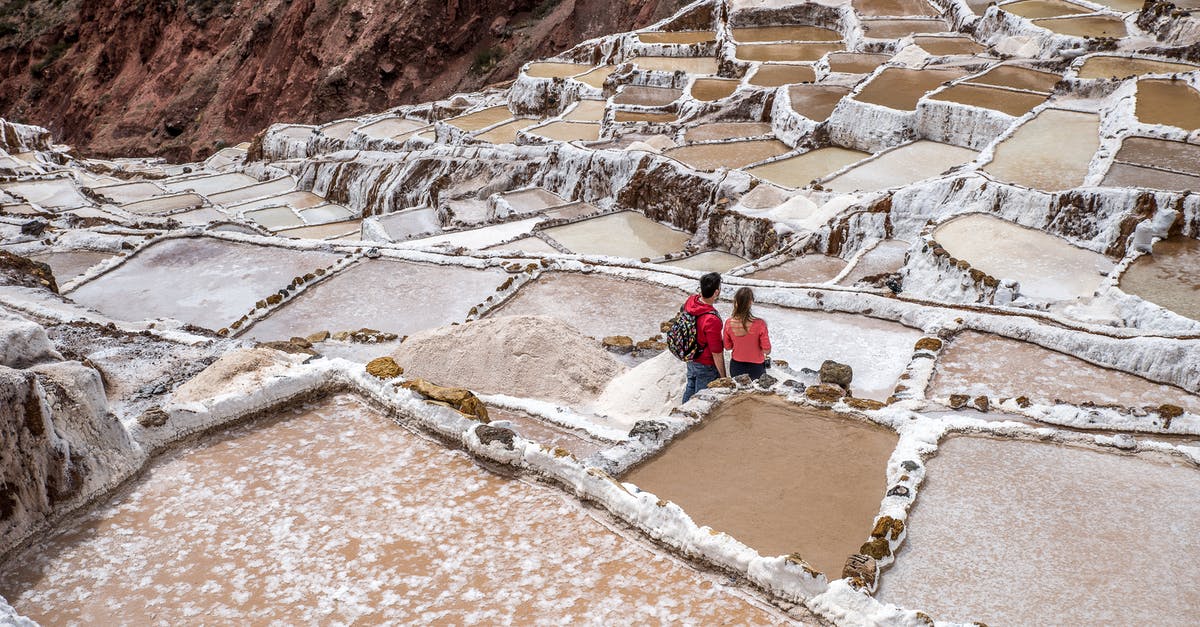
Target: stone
x=794, y=384
x=863, y=567
x=153, y=417
x=865, y=404
x=900, y=491
x=958, y=401
x=824, y=393
x=877, y=548
x=766, y=381
x=909, y=465
x=1023, y=402
x=929, y=344
x=836, y=373
x=462, y=400
x=652, y=345
x=981, y=403
x=34, y=227
x=319, y=336
x=384, y=368
x=723, y=382
x=888, y=526
x=274, y=299
x=488, y=434
x=1168, y=413
x=372, y=253
x=618, y=343
x=742, y=380
x=651, y=429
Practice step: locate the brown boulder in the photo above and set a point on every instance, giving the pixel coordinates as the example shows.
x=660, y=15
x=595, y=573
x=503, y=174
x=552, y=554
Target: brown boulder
x=861, y=567
x=877, y=548
x=929, y=344
x=824, y=393
x=723, y=382
x=384, y=368
x=462, y=400
x=618, y=343
x=836, y=373
x=865, y=404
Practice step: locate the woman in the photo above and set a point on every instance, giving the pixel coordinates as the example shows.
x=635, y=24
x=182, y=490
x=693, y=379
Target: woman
x=747, y=335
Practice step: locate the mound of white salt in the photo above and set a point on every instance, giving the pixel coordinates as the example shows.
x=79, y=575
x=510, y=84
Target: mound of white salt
x=238, y=372
x=527, y=356
x=645, y=392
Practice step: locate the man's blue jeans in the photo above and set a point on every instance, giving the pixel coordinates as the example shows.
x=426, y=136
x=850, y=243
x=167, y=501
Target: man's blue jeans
x=698, y=378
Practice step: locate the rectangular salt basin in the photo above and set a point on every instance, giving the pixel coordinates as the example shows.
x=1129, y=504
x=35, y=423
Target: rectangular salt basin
x=164, y=204
x=726, y=130
x=816, y=102
x=1128, y=175
x=643, y=116
x=506, y=133
x=1014, y=103
x=803, y=269
x=900, y=8
x=613, y=306
x=801, y=170
x=68, y=265
x=296, y=200
x=1031, y=533
x=884, y=258
x=481, y=119
x=1046, y=266
x=339, y=130
x=525, y=245
x=897, y=29
x=586, y=111
x=130, y=192
x=907, y=164
x=555, y=70
x=677, y=37
x=939, y=46
x=688, y=65
x=392, y=296
x=1043, y=8
x=752, y=34
x=729, y=154
x=348, y=230
x=708, y=261
x=208, y=184
x=984, y=364
x=390, y=127
x=478, y=239
x=207, y=282
x=1111, y=66
x=877, y=350
x=901, y=88
x=275, y=218
x=646, y=96
x=1160, y=153
x=856, y=62
x=532, y=200
x=1051, y=152
x=268, y=188
x=780, y=478
x=625, y=234
x=1086, y=26
x=776, y=74
x=51, y=194
x=200, y=216
x=1173, y=103
x=1018, y=77
x=567, y=131
x=1168, y=276
x=786, y=51
x=303, y=520
x=713, y=89
x=596, y=77
x=405, y=224
x=325, y=213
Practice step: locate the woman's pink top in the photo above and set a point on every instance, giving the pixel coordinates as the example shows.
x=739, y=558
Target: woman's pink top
x=751, y=347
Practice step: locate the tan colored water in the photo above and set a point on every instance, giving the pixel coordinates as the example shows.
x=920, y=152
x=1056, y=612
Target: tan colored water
x=856, y=62
x=901, y=8
x=709, y=261
x=1168, y=277
x=776, y=74
x=945, y=46
x=1051, y=152
x=1046, y=266
x=907, y=164
x=803, y=269
x=340, y=130
x=391, y=127
x=799, y=171
x=302, y=520
x=625, y=234
x=530, y=428
x=726, y=130
x=596, y=77
x=640, y=116
x=1128, y=175
x=568, y=131
x=978, y=363
x=1029, y=533
x=647, y=96
x=481, y=119
x=1123, y=6
x=130, y=192
x=786, y=52
x=896, y=29
x=506, y=133
x=1014, y=103
x=1086, y=26
x=1173, y=103
x=331, y=230
x=164, y=204
x=710, y=89
x=274, y=218
x=785, y=33
x=728, y=155
x=1043, y=8
x=1110, y=66
x=555, y=70
x=901, y=88
x=1019, y=78
x=1161, y=153
x=677, y=37
x=586, y=111
x=780, y=478
x=816, y=102
x=690, y=65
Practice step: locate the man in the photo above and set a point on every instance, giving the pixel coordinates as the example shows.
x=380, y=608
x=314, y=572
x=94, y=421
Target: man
x=709, y=365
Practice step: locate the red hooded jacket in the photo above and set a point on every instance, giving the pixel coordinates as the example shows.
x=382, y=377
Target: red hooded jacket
x=708, y=329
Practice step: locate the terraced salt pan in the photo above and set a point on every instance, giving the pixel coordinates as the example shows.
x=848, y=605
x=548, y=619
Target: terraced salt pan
x=481, y=119
x=625, y=234
x=325, y=213
x=1124, y=6
x=1030, y=9
x=526, y=245
x=897, y=29
x=578, y=444
x=1047, y=267
x=164, y=204
x=709, y=261
x=983, y=364
x=799, y=171
x=52, y=194
x=803, y=269
x=596, y=77
x=404, y=224
x=875, y=8
x=776, y=74
x=877, y=350
x=855, y=62
x=68, y=265
x=726, y=130
x=597, y=306
x=1128, y=175
x=268, y=188
x=785, y=33
x=710, y=89
x=1086, y=26
x=388, y=128
x=1014, y=103
x=946, y=46
x=291, y=531
x=728, y=155
x=555, y=70
x=1051, y=152
x=786, y=51
x=532, y=200
x=506, y=133
x=207, y=282
x=567, y=131
x=1173, y=103
x=781, y=478
x=816, y=102
x=129, y=192
x=907, y=164
x=586, y=111
x=1168, y=277
x=644, y=116
x=340, y=130
x=677, y=37
x=884, y=258
x=647, y=96
x=689, y=65
x=481, y=238
x=274, y=218
x=901, y=88
x=297, y=200
x=1018, y=77
x=1159, y=153
x=209, y=184
x=347, y=231
x=1111, y=66
x=1076, y=536
x=200, y=216
x=385, y=295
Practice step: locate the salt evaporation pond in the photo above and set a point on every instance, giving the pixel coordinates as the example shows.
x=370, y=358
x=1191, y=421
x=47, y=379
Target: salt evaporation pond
x=1086, y=26
x=780, y=478
x=390, y=127
x=625, y=234
x=52, y=194
x=392, y=296
x=708, y=261
x=481, y=119
x=901, y=88
x=129, y=192
x=586, y=111
x=752, y=34
x=70, y=264
x=677, y=37
x=875, y=8
x=799, y=171
x=1014, y=103
x=643, y=116
x=299, y=199
x=1168, y=277
x=728, y=154
x=596, y=77
x=816, y=102
x=1030, y=533
x=855, y=62
x=300, y=519
x=210, y=184
x=726, y=130
x=884, y=258
x=998, y=367
x=339, y=130
x=567, y=131
x=1018, y=77
x=526, y=245
x=689, y=65
x=506, y=133
x=1128, y=175
x=896, y=29
x=611, y=306
x=711, y=89
x=1031, y=9
x=877, y=350
x=1051, y=152
x=258, y=190
x=555, y=70
x=646, y=96
x=1159, y=153
x=1046, y=266
x=907, y=164
x=776, y=74
x=803, y=269
x=786, y=51
x=410, y=222
x=1174, y=103
x=1111, y=66
x=203, y=281
x=275, y=218
x=948, y=46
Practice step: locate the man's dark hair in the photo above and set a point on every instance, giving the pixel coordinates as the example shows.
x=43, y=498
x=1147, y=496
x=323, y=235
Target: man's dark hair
x=709, y=284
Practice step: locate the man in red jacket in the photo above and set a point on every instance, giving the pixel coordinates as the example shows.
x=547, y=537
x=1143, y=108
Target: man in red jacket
x=710, y=364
